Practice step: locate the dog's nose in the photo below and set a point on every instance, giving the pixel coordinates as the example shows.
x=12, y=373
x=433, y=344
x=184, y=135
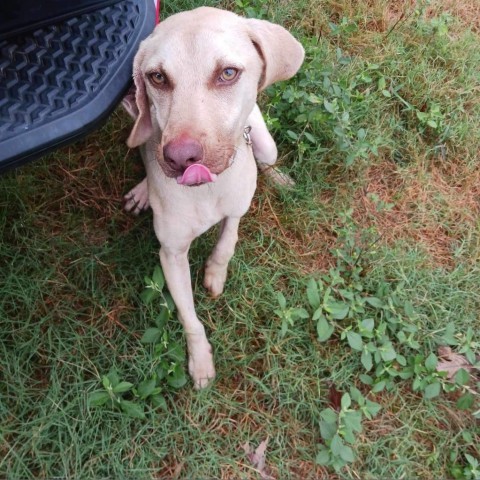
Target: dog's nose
x=183, y=152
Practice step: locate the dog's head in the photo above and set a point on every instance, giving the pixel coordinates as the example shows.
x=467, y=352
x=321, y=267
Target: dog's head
x=197, y=77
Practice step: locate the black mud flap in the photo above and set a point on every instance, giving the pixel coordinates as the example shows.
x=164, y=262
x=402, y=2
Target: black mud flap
x=61, y=81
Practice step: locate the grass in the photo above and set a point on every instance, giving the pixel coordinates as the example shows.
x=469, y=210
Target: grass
x=73, y=265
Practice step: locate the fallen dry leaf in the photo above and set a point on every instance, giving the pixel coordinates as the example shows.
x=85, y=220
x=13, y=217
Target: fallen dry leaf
x=335, y=397
x=452, y=362
x=257, y=459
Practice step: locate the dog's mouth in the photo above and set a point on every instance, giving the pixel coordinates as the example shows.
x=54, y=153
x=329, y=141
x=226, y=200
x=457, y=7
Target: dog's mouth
x=199, y=173
x=196, y=174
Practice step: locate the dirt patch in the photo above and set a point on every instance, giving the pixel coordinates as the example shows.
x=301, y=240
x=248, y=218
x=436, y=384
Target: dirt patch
x=434, y=207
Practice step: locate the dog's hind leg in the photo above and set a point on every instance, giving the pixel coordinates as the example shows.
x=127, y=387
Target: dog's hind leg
x=265, y=149
x=136, y=200
x=217, y=264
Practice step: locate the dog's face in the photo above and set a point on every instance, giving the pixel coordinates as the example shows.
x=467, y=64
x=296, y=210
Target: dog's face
x=197, y=78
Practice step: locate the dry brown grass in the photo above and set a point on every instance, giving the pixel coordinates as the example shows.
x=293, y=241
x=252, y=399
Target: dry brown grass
x=434, y=206
x=380, y=16
x=308, y=248
x=467, y=11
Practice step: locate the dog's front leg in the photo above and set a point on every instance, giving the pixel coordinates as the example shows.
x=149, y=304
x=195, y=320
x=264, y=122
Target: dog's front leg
x=217, y=263
x=177, y=274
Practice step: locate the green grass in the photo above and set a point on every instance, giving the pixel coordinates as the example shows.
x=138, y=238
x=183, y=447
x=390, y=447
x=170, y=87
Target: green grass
x=72, y=268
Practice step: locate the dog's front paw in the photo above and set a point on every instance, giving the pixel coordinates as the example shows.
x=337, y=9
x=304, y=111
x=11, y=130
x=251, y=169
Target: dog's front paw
x=201, y=368
x=214, y=279
x=136, y=200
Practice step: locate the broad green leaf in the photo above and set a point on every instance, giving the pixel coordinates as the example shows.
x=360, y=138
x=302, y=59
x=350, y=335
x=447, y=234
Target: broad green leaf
x=113, y=378
x=366, y=360
x=169, y=301
x=281, y=300
x=422, y=116
x=462, y=377
x=372, y=408
x=417, y=384
x=470, y=356
x=337, y=445
x=366, y=379
x=162, y=370
x=353, y=420
x=158, y=401
x=467, y=437
x=146, y=388
x=177, y=379
x=431, y=362
x=324, y=329
x=151, y=335
x=313, y=294
x=323, y=457
x=466, y=401
x=432, y=390
x=327, y=430
x=387, y=352
x=348, y=435
x=300, y=313
x=374, y=302
x=382, y=83
x=401, y=360
x=378, y=387
x=449, y=335
x=368, y=324
x=355, y=340
x=329, y=107
x=471, y=460
x=123, y=387
x=346, y=401
x=106, y=382
x=98, y=398
x=346, y=453
x=176, y=352
x=356, y=395
x=329, y=415
x=148, y=295
x=162, y=318
x=132, y=409
x=338, y=310
x=292, y=135
x=310, y=137
x=158, y=278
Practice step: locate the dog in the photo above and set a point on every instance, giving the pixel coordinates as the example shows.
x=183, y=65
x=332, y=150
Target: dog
x=200, y=131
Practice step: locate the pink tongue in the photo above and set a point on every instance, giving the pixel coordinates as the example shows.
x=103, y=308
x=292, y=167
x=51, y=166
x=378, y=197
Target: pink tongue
x=196, y=174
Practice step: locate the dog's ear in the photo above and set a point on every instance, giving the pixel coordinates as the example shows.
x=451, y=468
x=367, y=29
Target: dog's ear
x=129, y=103
x=280, y=53
x=139, y=109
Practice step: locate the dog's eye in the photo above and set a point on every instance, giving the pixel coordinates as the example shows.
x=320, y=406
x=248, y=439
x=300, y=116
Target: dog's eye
x=228, y=75
x=158, y=78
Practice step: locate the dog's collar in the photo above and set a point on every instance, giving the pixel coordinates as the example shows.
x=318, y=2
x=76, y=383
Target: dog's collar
x=246, y=134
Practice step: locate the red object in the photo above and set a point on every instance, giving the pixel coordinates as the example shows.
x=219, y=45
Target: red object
x=157, y=16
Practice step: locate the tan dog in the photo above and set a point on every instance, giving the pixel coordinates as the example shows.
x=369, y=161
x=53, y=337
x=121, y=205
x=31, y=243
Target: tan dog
x=197, y=78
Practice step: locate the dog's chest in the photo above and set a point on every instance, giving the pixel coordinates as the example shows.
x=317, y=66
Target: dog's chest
x=196, y=209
